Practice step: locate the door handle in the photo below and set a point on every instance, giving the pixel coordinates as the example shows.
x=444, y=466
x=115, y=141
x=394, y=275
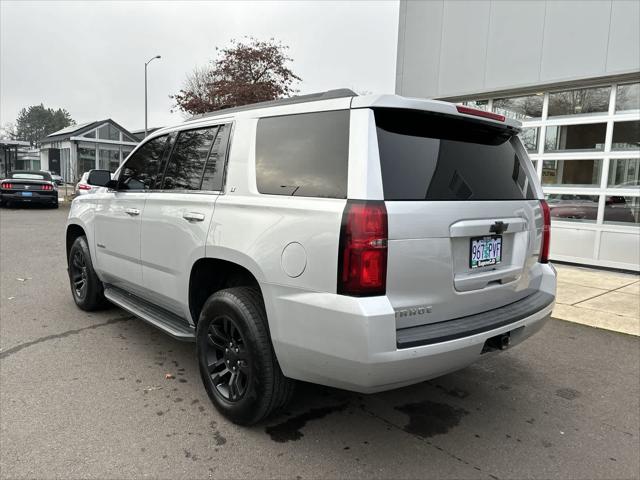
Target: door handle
x=132, y=211
x=193, y=216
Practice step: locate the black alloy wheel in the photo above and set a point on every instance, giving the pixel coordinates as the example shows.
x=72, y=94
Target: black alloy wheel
x=78, y=274
x=86, y=287
x=227, y=359
x=238, y=365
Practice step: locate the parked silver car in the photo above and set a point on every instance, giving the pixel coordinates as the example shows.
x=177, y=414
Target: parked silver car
x=360, y=242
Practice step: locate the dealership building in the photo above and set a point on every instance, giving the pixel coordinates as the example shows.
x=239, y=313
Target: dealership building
x=79, y=148
x=570, y=72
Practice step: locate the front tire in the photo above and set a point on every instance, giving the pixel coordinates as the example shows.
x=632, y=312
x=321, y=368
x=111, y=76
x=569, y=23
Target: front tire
x=86, y=287
x=237, y=363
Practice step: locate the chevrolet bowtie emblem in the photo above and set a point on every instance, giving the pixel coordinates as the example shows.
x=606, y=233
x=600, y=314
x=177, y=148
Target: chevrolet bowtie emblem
x=499, y=227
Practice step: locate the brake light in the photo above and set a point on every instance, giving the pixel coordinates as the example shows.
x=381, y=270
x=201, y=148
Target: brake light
x=546, y=232
x=362, y=262
x=480, y=113
x=47, y=187
x=84, y=186
x=7, y=186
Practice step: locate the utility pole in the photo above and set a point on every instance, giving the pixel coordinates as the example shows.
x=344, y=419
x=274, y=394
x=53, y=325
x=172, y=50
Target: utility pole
x=145, y=92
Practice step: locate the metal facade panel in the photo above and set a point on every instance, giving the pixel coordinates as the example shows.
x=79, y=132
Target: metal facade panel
x=624, y=37
x=417, y=69
x=469, y=47
x=515, y=43
x=621, y=247
x=465, y=25
x=572, y=242
x=575, y=40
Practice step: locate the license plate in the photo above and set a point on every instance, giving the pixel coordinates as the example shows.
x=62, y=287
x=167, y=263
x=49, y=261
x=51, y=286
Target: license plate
x=27, y=194
x=485, y=251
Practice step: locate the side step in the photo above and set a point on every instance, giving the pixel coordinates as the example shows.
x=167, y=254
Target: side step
x=166, y=321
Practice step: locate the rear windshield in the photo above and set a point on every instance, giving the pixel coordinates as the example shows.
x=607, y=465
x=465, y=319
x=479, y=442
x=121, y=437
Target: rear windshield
x=427, y=156
x=30, y=176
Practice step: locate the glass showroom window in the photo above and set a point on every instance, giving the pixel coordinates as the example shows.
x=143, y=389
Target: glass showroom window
x=479, y=104
x=571, y=173
x=86, y=159
x=624, y=173
x=108, y=132
x=529, y=137
x=621, y=210
x=109, y=159
x=522, y=108
x=573, y=207
x=580, y=101
x=626, y=136
x=575, y=137
x=628, y=97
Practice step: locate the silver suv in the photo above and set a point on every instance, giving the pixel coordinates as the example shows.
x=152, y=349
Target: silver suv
x=360, y=242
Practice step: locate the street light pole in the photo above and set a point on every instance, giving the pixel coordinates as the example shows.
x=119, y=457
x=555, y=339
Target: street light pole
x=145, y=92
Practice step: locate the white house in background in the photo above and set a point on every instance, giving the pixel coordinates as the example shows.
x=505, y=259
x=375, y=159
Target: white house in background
x=78, y=148
x=570, y=71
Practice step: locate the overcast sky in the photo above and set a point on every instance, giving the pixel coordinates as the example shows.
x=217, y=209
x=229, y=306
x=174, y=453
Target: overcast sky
x=88, y=57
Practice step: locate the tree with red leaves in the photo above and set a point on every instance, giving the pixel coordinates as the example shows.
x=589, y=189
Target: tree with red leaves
x=247, y=71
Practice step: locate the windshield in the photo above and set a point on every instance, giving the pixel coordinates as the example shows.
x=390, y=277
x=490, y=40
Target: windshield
x=427, y=156
x=29, y=176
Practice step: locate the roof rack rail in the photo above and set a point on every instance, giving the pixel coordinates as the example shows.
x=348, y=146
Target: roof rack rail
x=329, y=94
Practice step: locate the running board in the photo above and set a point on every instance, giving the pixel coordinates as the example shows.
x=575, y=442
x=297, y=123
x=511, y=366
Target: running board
x=160, y=318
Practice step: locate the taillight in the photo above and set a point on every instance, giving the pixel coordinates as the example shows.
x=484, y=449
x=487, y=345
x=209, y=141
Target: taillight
x=546, y=232
x=83, y=186
x=7, y=186
x=480, y=113
x=362, y=262
x=47, y=187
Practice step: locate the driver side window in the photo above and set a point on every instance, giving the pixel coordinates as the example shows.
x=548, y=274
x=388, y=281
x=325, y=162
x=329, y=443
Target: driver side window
x=141, y=169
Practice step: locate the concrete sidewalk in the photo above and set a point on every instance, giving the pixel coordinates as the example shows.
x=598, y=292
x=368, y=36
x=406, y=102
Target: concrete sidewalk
x=598, y=298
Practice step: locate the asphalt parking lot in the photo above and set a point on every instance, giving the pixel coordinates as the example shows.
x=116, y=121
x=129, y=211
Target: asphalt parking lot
x=85, y=396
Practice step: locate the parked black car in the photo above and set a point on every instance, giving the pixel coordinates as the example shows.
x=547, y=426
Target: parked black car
x=27, y=187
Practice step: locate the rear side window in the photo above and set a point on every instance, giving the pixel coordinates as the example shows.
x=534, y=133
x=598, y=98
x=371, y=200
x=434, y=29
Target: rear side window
x=426, y=156
x=141, y=169
x=186, y=165
x=303, y=155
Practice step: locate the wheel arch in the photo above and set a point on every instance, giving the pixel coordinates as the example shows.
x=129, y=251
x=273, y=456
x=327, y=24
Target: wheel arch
x=211, y=274
x=73, y=232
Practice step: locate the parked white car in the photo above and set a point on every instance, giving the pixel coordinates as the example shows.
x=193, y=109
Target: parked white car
x=360, y=242
x=83, y=187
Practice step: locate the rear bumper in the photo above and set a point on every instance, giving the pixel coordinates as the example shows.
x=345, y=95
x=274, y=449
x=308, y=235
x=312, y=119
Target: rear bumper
x=352, y=343
x=37, y=197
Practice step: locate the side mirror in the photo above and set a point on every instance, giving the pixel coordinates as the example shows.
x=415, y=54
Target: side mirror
x=99, y=178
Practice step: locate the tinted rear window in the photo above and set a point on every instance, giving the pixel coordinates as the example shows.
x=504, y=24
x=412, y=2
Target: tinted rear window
x=303, y=155
x=426, y=156
x=30, y=175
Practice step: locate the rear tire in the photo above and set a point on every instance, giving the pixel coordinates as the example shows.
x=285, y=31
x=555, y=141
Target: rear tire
x=86, y=287
x=237, y=363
